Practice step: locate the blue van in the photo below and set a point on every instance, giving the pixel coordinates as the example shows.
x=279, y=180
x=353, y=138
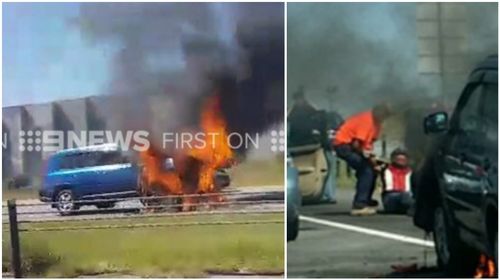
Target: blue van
x=88, y=173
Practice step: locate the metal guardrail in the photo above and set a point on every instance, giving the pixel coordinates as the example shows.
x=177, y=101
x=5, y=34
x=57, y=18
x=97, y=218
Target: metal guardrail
x=100, y=200
x=159, y=207
x=203, y=203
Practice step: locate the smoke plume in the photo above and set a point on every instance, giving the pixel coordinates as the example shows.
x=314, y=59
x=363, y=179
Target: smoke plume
x=369, y=52
x=189, y=51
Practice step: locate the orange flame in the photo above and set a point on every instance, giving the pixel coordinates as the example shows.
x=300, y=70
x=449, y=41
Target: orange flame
x=214, y=153
x=486, y=267
x=153, y=175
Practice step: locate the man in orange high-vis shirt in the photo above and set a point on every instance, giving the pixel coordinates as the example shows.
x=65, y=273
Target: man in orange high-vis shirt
x=354, y=143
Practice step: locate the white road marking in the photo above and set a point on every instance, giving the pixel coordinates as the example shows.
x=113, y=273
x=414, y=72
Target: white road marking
x=379, y=233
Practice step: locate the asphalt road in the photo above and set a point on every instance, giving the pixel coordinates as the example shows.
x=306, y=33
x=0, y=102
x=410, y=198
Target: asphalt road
x=333, y=244
x=244, y=199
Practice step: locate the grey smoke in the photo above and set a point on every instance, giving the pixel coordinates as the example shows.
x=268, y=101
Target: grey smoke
x=187, y=51
x=482, y=24
x=368, y=51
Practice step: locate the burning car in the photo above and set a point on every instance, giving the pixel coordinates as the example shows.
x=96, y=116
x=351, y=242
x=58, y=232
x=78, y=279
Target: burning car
x=179, y=178
x=96, y=175
x=177, y=186
x=198, y=169
x=457, y=184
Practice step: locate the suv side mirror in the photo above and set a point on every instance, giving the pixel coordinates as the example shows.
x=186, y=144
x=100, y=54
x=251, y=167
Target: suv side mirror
x=316, y=135
x=435, y=123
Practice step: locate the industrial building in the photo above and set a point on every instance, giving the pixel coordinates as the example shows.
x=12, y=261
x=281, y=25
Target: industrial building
x=96, y=113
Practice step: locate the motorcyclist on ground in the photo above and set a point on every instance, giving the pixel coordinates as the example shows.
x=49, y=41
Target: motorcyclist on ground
x=354, y=144
x=396, y=194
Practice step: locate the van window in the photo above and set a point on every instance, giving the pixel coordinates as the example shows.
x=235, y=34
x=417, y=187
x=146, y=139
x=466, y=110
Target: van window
x=89, y=159
x=109, y=158
x=70, y=161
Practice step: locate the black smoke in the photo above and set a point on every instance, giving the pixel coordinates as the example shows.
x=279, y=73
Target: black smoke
x=190, y=51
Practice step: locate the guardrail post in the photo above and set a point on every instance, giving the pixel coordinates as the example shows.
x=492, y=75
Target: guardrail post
x=14, y=239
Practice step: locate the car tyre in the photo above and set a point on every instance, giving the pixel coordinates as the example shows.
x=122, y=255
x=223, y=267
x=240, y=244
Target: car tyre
x=425, y=198
x=454, y=256
x=293, y=230
x=65, y=202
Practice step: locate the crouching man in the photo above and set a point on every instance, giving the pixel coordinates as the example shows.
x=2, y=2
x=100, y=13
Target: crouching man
x=396, y=178
x=354, y=144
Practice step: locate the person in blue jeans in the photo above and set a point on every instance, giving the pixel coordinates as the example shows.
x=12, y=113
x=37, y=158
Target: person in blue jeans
x=330, y=184
x=334, y=121
x=354, y=144
x=363, y=204
x=397, y=202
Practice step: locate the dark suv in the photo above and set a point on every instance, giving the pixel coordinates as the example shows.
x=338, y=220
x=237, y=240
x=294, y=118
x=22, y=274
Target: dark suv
x=457, y=184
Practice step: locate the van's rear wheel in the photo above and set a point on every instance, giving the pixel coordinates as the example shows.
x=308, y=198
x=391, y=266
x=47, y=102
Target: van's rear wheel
x=65, y=202
x=454, y=257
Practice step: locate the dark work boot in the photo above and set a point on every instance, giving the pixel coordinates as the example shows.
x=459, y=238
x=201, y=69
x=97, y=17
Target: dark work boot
x=373, y=203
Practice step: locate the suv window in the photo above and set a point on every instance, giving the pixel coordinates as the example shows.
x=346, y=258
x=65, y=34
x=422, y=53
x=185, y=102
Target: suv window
x=468, y=116
x=490, y=108
x=466, y=123
x=490, y=111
